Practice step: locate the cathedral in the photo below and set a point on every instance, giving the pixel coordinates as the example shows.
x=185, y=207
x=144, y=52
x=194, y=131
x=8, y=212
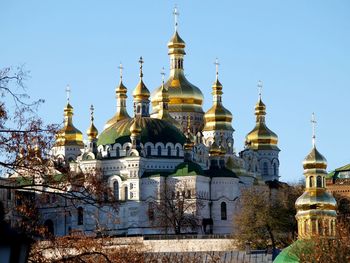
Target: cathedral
x=167, y=142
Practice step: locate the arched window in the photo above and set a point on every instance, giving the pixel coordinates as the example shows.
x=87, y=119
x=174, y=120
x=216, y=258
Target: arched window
x=125, y=193
x=117, y=152
x=80, y=216
x=138, y=109
x=116, y=190
x=127, y=148
x=177, y=151
x=223, y=211
x=311, y=181
x=169, y=151
x=275, y=169
x=49, y=227
x=265, y=169
x=159, y=149
x=149, y=150
x=319, y=181
x=143, y=110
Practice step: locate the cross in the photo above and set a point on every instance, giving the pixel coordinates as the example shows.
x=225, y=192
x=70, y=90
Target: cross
x=68, y=92
x=121, y=70
x=260, y=86
x=176, y=16
x=92, y=112
x=141, y=62
x=217, y=67
x=313, y=122
x=163, y=74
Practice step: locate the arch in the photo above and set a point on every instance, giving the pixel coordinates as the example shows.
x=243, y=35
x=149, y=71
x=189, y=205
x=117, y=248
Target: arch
x=138, y=109
x=274, y=169
x=80, y=216
x=117, y=152
x=223, y=211
x=116, y=189
x=177, y=151
x=49, y=227
x=159, y=150
x=319, y=181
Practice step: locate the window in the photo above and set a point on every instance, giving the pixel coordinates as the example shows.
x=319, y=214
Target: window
x=138, y=109
x=169, y=151
x=49, y=227
x=117, y=152
x=188, y=193
x=177, y=151
x=159, y=149
x=80, y=216
x=319, y=181
x=223, y=211
x=149, y=150
x=116, y=190
x=274, y=169
x=265, y=169
x=310, y=181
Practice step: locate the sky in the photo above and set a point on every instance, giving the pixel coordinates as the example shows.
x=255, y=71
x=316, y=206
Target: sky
x=299, y=49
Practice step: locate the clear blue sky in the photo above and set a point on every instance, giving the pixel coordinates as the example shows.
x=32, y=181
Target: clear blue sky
x=299, y=49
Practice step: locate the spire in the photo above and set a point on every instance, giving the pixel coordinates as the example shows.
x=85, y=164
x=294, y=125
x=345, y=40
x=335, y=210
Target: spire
x=260, y=86
x=92, y=132
x=217, y=64
x=217, y=87
x=313, y=122
x=260, y=108
x=121, y=71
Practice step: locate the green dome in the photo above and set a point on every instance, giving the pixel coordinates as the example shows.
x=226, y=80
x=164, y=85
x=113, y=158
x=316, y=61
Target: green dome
x=152, y=130
x=188, y=168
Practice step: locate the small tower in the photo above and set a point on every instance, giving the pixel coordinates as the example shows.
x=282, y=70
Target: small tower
x=218, y=120
x=188, y=145
x=184, y=97
x=135, y=134
x=92, y=132
x=121, y=96
x=141, y=96
x=316, y=208
x=69, y=140
x=263, y=141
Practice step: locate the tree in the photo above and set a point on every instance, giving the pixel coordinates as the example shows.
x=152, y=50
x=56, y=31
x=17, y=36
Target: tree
x=177, y=209
x=267, y=215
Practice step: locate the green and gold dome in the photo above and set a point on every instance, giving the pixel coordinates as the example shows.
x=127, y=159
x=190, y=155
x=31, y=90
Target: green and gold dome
x=152, y=130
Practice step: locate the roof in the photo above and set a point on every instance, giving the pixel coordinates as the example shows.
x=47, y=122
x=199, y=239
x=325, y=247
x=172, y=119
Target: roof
x=291, y=254
x=183, y=169
x=220, y=172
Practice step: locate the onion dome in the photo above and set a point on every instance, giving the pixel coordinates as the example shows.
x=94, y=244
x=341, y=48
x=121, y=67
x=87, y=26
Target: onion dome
x=217, y=117
x=261, y=137
x=69, y=135
x=135, y=128
x=214, y=149
x=183, y=96
x=152, y=130
x=121, y=96
x=92, y=132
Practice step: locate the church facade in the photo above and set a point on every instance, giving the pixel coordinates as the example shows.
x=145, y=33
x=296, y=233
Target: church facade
x=169, y=143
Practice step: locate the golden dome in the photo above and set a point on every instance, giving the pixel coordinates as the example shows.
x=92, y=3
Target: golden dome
x=214, y=149
x=121, y=113
x=92, y=132
x=183, y=96
x=217, y=117
x=261, y=137
x=69, y=135
x=319, y=199
x=315, y=160
x=141, y=92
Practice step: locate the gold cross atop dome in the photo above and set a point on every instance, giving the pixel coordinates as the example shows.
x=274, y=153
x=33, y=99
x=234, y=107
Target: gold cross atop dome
x=92, y=112
x=163, y=74
x=120, y=67
x=260, y=86
x=217, y=67
x=313, y=122
x=68, y=92
x=176, y=16
x=141, y=62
